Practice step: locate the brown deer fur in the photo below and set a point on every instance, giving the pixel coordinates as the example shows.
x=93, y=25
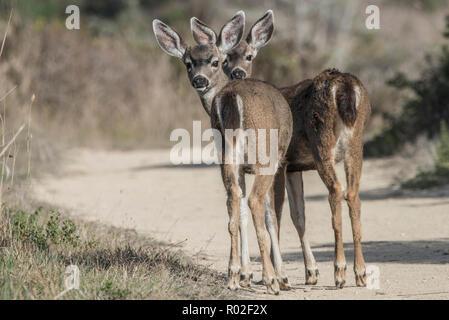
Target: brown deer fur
x=243, y=104
x=329, y=116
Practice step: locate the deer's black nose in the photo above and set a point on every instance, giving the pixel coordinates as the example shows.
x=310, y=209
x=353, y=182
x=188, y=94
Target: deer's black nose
x=200, y=82
x=238, y=74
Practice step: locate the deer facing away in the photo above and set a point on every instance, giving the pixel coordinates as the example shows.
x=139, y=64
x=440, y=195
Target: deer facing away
x=329, y=115
x=239, y=104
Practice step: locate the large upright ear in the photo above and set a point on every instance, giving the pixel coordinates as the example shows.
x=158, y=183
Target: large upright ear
x=261, y=31
x=201, y=32
x=168, y=39
x=232, y=32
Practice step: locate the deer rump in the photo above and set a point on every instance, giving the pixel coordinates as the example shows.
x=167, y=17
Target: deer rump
x=254, y=119
x=345, y=98
x=331, y=87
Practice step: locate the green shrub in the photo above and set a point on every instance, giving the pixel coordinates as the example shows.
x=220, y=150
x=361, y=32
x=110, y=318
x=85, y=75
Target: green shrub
x=440, y=175
x=104, y=8
x=32, y=228
x=111, y=292
x=422, y=113
x=443, y=148
x=428, y=5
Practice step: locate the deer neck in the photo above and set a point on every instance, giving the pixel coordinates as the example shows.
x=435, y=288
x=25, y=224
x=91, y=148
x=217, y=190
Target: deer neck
x=208, y=97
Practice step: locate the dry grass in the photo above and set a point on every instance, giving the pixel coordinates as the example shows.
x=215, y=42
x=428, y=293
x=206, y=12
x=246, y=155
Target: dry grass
x=96, y=91
x=36, y=248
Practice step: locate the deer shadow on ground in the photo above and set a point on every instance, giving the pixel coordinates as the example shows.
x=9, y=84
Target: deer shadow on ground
x=407, y=252
x=391, y=193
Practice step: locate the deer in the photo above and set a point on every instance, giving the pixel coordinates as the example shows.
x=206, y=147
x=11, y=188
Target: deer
x=329, y=113
x=240, y=104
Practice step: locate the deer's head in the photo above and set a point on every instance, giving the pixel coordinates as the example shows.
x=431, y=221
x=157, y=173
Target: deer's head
x=238, y=61
x=203, y=61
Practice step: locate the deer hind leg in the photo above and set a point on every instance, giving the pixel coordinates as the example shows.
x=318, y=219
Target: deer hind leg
x=353, y=169
x=295, y=190
x=256, y=202
x=276, y=259
x=245, y=274
x=279, y=195
x=234, y=194
x=326, y=170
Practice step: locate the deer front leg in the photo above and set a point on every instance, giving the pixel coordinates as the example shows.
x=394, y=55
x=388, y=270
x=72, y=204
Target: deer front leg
x=279, y=196
x=246, y=274
x=234, y=193
x=295, y=190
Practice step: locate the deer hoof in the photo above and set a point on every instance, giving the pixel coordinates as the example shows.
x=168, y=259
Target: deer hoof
x=340, y=276
x=312, y=276
x=284, y=284
x=340, y=284
x=232, y=285
x=360, y=278
x=234, y=277
x=272, y=286
x=245, y=280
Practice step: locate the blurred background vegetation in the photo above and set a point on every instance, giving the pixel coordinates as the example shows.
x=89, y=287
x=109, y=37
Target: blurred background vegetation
x=109, y=85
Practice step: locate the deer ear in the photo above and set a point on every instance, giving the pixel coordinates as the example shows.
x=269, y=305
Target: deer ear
x=232, y=32
x=261, y=31
x=168, y=39
x=202, y=33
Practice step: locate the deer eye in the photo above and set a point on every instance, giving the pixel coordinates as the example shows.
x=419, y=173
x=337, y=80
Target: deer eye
x=249, y=57
x=215, y=63
x=189, y=66
x=225, y=63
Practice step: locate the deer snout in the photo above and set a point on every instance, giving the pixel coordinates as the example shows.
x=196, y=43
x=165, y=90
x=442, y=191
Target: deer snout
x=238, y=74
x=200, y=82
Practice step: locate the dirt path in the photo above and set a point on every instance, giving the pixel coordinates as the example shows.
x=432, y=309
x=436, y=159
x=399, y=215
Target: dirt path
x=406, y=236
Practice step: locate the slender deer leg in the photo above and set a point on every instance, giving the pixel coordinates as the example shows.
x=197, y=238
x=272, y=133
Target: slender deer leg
x=230, y=180
x=245, y=274
x=276, y=258
x=295, y=190
x=329, y=176
x=353, y=168
x=256, y=201
x=279, y=195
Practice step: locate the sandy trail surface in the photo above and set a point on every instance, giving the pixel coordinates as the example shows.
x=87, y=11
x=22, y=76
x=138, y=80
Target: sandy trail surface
x=405, y=234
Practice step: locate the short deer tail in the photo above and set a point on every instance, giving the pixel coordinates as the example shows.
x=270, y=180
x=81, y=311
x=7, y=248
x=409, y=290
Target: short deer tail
x=231, y=113
x=347, y=96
